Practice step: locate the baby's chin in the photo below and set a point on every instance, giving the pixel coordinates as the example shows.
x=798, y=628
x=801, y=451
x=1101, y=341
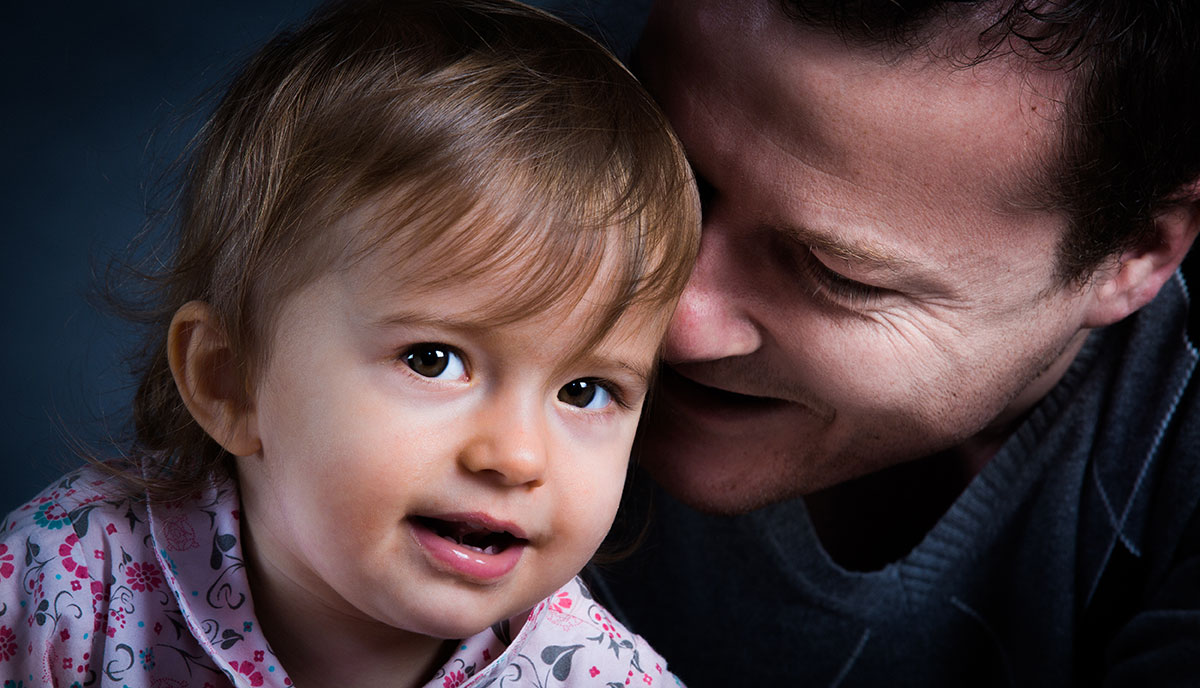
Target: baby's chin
x=449, y=610
x=457, y=626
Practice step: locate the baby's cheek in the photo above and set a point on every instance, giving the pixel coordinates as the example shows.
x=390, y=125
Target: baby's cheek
x=590, y=518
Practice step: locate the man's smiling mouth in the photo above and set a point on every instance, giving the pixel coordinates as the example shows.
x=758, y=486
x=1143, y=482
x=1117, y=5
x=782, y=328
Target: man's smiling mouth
x=688, y=393
x=686, y=386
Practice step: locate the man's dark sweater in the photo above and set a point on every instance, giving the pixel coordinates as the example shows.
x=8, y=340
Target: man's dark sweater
x=1073, y=558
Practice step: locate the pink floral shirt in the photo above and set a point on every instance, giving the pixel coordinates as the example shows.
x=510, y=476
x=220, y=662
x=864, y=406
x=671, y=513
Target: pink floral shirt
x=101, y=590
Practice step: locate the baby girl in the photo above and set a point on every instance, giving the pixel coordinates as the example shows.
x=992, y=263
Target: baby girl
x=425, y=252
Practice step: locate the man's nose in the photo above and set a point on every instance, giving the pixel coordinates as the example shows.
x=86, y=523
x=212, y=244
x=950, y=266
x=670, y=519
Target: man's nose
x=711, y=321
x=508, y=445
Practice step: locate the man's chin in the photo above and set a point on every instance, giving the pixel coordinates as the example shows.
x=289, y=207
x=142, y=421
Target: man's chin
x=714, y=480
x=728, y=453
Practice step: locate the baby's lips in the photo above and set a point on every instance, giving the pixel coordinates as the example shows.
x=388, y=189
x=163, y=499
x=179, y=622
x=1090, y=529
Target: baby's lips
x=475, y=521
x=466, y=554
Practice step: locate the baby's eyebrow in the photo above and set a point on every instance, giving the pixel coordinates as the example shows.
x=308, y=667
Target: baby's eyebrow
x=643, y=373
x=429, y=320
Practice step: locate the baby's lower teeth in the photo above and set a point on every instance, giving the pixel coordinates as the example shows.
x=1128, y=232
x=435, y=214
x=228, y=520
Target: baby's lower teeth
x=490, y=549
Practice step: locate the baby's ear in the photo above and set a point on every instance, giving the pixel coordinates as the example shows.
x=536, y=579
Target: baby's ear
x=208, y=379
x=1141, y=271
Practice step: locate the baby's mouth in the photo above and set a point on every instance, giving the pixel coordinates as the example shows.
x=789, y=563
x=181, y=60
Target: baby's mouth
x=473, y=536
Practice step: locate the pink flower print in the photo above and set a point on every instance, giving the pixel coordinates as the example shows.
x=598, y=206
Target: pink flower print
x=68, y=562
x=110, y=528
x=98, y=554
x=68, y=662
x=143, y=577
x=561, y=602
x=50, y=515
x=594, y=672
x=557, y=612
x=258, y=655
x=608, y=626
x=454, y=679
x=75, y=586
x=157, y=628
x=6, y=558
x=647, y=680
x=65, y=634
x=179, y=534
x=8, y=644
x=99, y=594
x=247, y=669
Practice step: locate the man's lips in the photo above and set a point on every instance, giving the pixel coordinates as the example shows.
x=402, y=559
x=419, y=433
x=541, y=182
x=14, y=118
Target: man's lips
x=681, y=387
x=684, y=395
x=472, y=545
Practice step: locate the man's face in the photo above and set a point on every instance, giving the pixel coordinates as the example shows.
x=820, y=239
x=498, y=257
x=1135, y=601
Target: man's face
x=876, y=280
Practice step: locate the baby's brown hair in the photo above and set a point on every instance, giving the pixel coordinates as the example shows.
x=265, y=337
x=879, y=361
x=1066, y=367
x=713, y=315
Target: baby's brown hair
x=471, y=135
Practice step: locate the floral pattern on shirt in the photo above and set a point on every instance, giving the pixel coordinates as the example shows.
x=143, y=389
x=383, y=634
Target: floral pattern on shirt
x=98, y=590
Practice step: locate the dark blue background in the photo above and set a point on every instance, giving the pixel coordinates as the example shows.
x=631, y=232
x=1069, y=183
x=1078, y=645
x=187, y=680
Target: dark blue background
x=100, y=97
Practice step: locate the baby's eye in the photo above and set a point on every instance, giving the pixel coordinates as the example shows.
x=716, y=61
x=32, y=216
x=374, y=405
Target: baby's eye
x=586, y=393
x=436, y=361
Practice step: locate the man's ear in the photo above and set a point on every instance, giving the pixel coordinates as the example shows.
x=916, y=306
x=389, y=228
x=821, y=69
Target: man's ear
x=208, y=380
x=1141, y=271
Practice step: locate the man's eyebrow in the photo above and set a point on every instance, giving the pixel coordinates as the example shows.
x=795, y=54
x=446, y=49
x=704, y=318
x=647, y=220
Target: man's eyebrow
x=868, y=253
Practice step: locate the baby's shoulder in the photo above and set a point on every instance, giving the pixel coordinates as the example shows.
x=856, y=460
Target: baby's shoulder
x=580, y=643
x=85, y=502
x=65, y=538
x=57, y=555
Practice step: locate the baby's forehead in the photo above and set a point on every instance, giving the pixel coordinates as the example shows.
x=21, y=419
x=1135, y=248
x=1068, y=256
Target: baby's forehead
x=489, y=273
x=514, y=251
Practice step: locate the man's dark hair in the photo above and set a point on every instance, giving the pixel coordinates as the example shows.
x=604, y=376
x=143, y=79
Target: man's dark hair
x=1131, y=130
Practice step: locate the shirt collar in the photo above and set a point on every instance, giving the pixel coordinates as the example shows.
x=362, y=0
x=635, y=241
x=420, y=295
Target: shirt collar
x=198, y=545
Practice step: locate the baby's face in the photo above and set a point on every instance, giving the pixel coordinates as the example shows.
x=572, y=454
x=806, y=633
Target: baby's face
x=426, y=472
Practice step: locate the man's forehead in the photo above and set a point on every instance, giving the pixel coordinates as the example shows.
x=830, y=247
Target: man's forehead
x=873, y=158
x=994, y=125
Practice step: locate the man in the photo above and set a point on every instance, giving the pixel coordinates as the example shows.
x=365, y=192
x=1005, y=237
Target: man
x=929, y=415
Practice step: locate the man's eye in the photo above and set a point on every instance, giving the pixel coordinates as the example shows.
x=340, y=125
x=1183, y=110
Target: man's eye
x=585, y=393
x=839, y=286
x=436, y=361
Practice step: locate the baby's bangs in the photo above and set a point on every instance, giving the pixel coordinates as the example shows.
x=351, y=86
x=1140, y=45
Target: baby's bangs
x=551, y=243
x=454, y=235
